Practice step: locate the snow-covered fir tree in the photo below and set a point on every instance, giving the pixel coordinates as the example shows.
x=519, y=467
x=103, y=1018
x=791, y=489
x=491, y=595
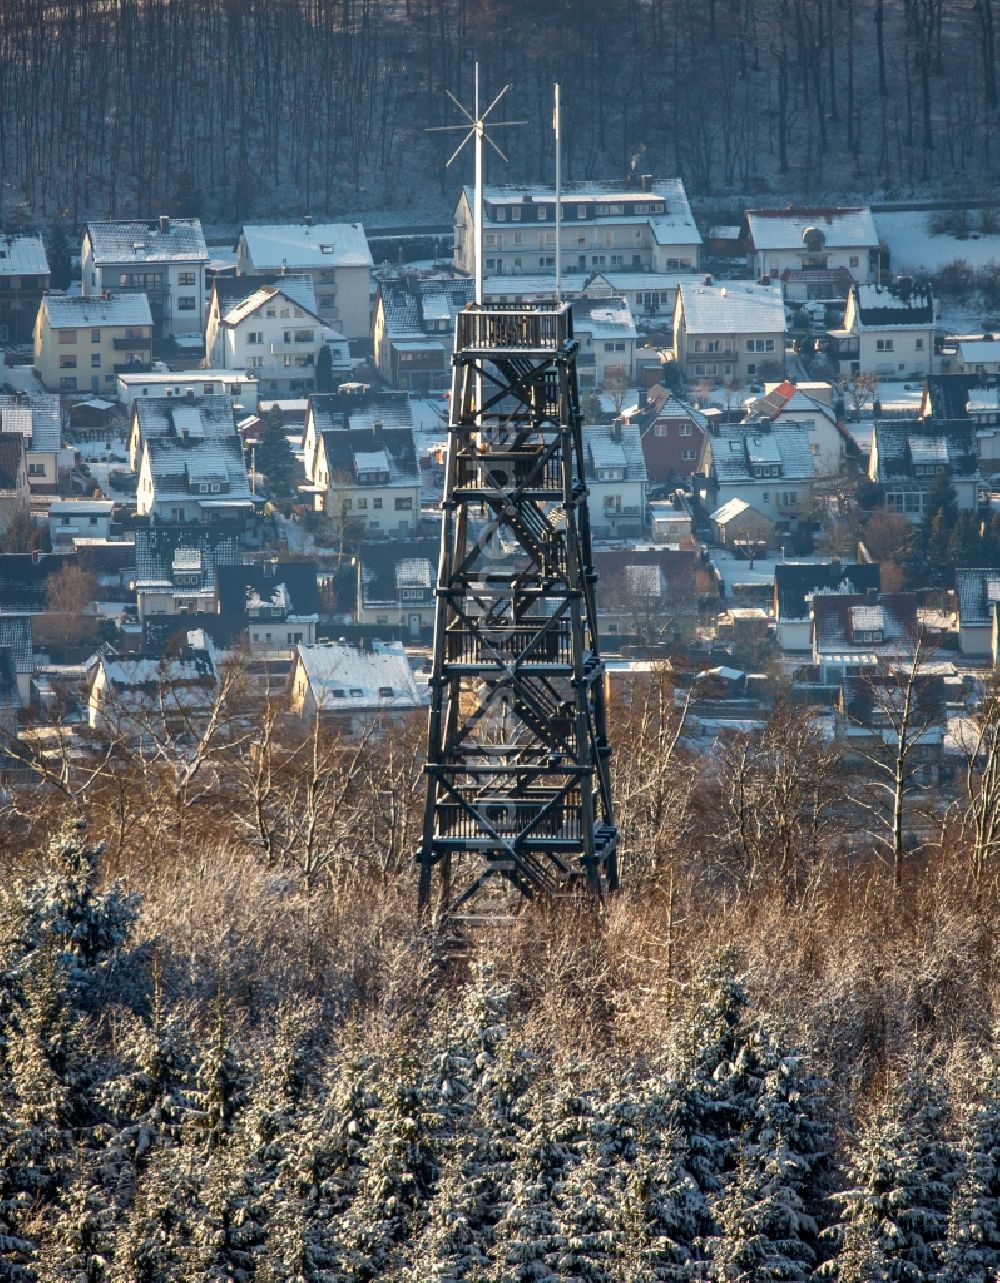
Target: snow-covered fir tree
x=971, y=1251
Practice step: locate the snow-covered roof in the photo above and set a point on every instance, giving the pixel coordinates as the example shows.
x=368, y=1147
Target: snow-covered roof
x=881, y=307
x=157, y=377
x=928, y=450
x=674, y=225
x=273, y=245
x=602, y=451
x=735, y=453
x=979, y=351
x=644, y=580
x=777, y=229
x=732, y=508
x=983, y=401
x=175, y=467
x=606, y=318
x=867, y=619
x=72, y=311
x=37, y=419
x=199, y=418
x=23, y=256
x=81, y=507
x=299, y=291
x=977, y=590
x=345, y=679
x=734, y=308
x=168, y=240
x=413, y=572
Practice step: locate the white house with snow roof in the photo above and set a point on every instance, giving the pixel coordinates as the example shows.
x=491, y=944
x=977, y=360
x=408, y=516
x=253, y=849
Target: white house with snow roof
x=888, y=331
x=772, y=470
x=334, y=255
x=907, y=456
x=164, y=259
x=204, y=418
x=817, y=243
x=190, y=477
x=978, y=354
x=351, y=687
x=605, y=331
x=977, y=590
x=82, y=344
x=646, y=227
x=38, y=419
x=733, y=332
x=616, y=479
x=786, y=405
x=273, y=332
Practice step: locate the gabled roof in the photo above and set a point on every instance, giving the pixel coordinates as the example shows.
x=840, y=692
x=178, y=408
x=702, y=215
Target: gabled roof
x=664, y=404
x=835, y=622
x=893, y=307
x=290, y=587
x=734, y=308
x=11, y=460
x=796, y=581
x=603, y=318
x=24, y=577
x=157, y=547
x=345, y=679
x=784, y=229
x=948, y=395
x=601, y=450
x=23, y=256
x=72, y=311
x=387, y=566
x=978, y=591
x=173, y=240
x=205, y=418
x=677, y=566
x=37, y=418
x=253, y=302
x=735, y=450
x=344, y=445
x=950, y=441
x=229, y=291
x=175, y=466
x=273, y=245
x=15, y=637
x=730, y=510
x=786, y=398
x=410, y=307
x=674, y=226
x=979, y=351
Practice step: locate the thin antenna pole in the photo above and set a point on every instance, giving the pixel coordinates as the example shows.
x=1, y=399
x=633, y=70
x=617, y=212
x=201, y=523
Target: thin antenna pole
x=479, y=197
x=557, y=128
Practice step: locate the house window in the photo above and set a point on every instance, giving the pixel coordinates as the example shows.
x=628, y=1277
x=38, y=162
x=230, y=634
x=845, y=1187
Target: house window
x=36, y=470
x=376, y=503
x=362, y=503
x=186, y=303
x=501, y=215
x=255, y=336
x=884, y=345
x=760, y=345
x=919, y=344
x=688, y=456
x=685, y=429
x=67, y=384
x=67, y=363
x=95, y=360
x=95, y=336
x=404, y=505
x=66, y=337
x=661, y=430
x=581, y=211
x=855, y=260
x=543, y=213
x=515, y=214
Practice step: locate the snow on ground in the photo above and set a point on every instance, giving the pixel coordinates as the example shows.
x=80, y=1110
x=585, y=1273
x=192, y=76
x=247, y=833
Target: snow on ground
x=913, y=248
x=22, y=378
x=736, y=570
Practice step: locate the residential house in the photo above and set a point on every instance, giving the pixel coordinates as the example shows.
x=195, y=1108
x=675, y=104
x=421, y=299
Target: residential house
x=71, y=519
x=16, y=641
x=273, y=604
x=856, y=632
x=396, y=585
x=24, y=580
x=672, y=436
x=352, y=406
x=334, y=255
x=15, y=496
x=187, y=477
x=24, y=278
x=772, y=470
x=144, y=699
x=367, y=481
x=271, y=333
x=240, y=387
x=350, y=687
x=733, y=332
x=195, y=418
x=978, y=355
x=907, y=455
x=38, y=419
x=868, y=714
x=82, y=344
x=647, y=594
x=616, y=479
x=797, y=582
x=977, y=591
x=176, y=566
x=888, y=331
x=814, y=253
x=648, y=228
x=787, y=406
x=605, y=332
x=413, y=329
x=737, y=524
x=967, y=398
x=164, y=260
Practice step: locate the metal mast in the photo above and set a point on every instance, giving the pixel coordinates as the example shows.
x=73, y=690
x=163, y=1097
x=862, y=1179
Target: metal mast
x=518, y=795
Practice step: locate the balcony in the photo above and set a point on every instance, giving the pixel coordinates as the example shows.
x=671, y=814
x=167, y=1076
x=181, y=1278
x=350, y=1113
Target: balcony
x=133, y=345
x=134, y=367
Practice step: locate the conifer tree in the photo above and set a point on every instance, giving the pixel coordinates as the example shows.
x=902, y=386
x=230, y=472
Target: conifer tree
x=971, y=1252
x=324, y=370
x=79, y=1241
x=275, y=458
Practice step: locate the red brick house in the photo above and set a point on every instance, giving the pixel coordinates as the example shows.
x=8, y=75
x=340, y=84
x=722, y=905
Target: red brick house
x=672, y=438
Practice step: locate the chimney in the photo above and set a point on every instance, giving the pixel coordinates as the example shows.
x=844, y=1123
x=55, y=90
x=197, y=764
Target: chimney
x=164, y=223
x=904, y=285
x=616, y=429
x=876, y=408
x=871, y=596
x=646, y=182
x=377, y=426
x=307, y=219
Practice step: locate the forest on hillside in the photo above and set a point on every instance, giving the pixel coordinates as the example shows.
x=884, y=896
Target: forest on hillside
x=233, y=109
x=229, y=1050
